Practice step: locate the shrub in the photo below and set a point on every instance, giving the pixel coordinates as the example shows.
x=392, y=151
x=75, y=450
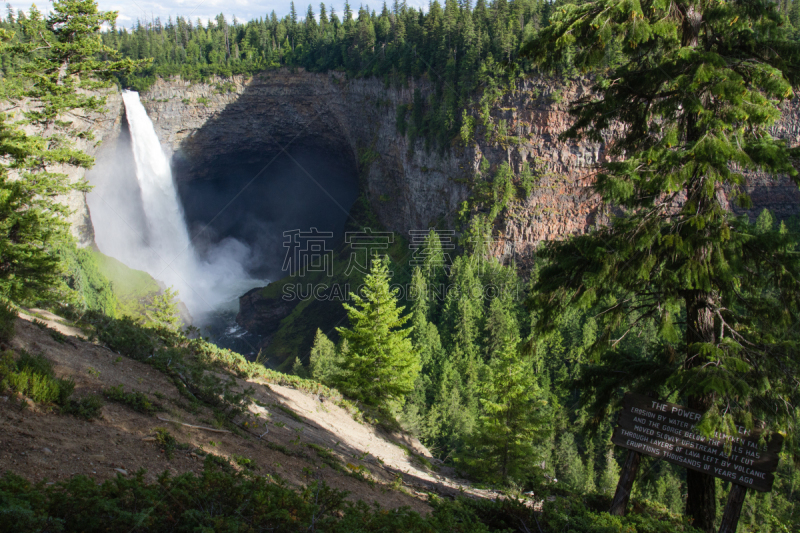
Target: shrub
x=167, y=441
x=242, y=501
x=87, y=407
x=137, y=401
x=33, y=376
x=8, y=317
x=124, y=336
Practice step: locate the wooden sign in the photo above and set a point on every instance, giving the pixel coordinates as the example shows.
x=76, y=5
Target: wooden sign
x=667, y=431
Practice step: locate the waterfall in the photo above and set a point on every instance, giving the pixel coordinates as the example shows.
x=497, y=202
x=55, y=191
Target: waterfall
x=167, y=233
x=141, y=223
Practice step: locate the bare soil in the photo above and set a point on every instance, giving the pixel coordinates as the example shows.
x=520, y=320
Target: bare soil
x=298, y=436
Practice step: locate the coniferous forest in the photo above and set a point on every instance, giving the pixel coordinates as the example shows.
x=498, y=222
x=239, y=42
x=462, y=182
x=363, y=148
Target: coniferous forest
x=676, y=297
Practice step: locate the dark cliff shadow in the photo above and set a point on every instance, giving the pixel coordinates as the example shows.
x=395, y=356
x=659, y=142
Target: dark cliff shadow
x=274, y=160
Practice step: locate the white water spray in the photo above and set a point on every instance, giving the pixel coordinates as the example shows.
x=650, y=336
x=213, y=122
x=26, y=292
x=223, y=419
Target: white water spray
x=167, y=233
x=143, y=226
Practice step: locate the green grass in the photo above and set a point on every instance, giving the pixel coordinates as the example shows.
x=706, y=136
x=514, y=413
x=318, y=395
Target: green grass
x=291, y=414
x=134, y=289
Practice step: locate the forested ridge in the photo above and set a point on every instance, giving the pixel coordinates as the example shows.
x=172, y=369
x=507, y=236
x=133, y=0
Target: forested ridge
x=457, y=47
x=515, y=386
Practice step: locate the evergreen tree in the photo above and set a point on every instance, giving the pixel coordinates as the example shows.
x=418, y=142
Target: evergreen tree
x=298, y=369
x=514, y=418
x=59, y=59
x=322, y=361
x=693, y=100
x=570, y=469
x=165, y=310
x=451, y=418
x=610, y=474
x=381, y=365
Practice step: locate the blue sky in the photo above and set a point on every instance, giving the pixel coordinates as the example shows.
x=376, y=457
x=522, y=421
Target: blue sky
x=130, y=10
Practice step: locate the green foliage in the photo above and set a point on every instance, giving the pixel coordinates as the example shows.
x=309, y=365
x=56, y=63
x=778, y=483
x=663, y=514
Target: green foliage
x=570, y=469
x=380, y=365
x=136, y=400
x=55, y=60
x=323, y=358
x=32, y=376
x=83, y=277
x=218, y=499
x=164, y=312
x=244, y=462
x=690, y=107
x=298, y=369
x=514, y=418
x=87, y=407
x=125, y=336
x=8, y=318
x=167, y=441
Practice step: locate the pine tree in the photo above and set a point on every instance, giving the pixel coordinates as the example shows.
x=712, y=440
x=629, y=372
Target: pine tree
x=697, y=89
x=514, y=418
x=610, y=475
x=570, y=469
x=298, y=369
x=450, y=419
x=165, y=310
x=59, y=59
x=322, y=361
x=381, y=365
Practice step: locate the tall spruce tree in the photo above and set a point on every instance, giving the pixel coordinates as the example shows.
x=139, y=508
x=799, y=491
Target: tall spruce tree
x=322, y=361
x=687, y=111
x=60, y=70
x=380, y=366
x=514, y=418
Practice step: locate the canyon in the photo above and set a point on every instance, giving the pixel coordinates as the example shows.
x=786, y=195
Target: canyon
x=340, y=136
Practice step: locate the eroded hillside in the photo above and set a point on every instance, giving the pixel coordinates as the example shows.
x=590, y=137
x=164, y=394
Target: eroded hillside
x=284, y=432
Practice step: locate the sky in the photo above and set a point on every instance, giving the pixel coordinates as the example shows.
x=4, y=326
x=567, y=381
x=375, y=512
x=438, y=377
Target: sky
x=244, y=10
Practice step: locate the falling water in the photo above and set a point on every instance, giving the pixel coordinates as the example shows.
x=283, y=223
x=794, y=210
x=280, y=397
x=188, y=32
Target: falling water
x=167, y=233
x=141, y=223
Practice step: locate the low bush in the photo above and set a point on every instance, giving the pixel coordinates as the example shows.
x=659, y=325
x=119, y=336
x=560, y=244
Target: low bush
x=167, y=441
x=8, y=317
x=136, y=400
x=87, y=407
x=224, y=499
x=126, y=337
x=33, y=376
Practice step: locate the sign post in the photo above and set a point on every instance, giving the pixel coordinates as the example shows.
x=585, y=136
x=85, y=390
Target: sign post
x=668, y=431
x=625, y=485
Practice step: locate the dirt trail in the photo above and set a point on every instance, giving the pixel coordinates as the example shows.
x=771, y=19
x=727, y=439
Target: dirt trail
x=307, y=435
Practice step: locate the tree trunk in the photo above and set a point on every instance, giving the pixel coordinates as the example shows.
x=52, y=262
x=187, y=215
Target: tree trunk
x=701, y=500
x=625, y=485
x=730, y=518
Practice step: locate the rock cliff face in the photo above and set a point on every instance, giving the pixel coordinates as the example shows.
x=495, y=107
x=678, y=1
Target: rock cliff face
x=276, y=111
x=105, y=127
x=408, y=187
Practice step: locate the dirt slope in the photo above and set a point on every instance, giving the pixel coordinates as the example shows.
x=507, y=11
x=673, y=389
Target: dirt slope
x=306, y=436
